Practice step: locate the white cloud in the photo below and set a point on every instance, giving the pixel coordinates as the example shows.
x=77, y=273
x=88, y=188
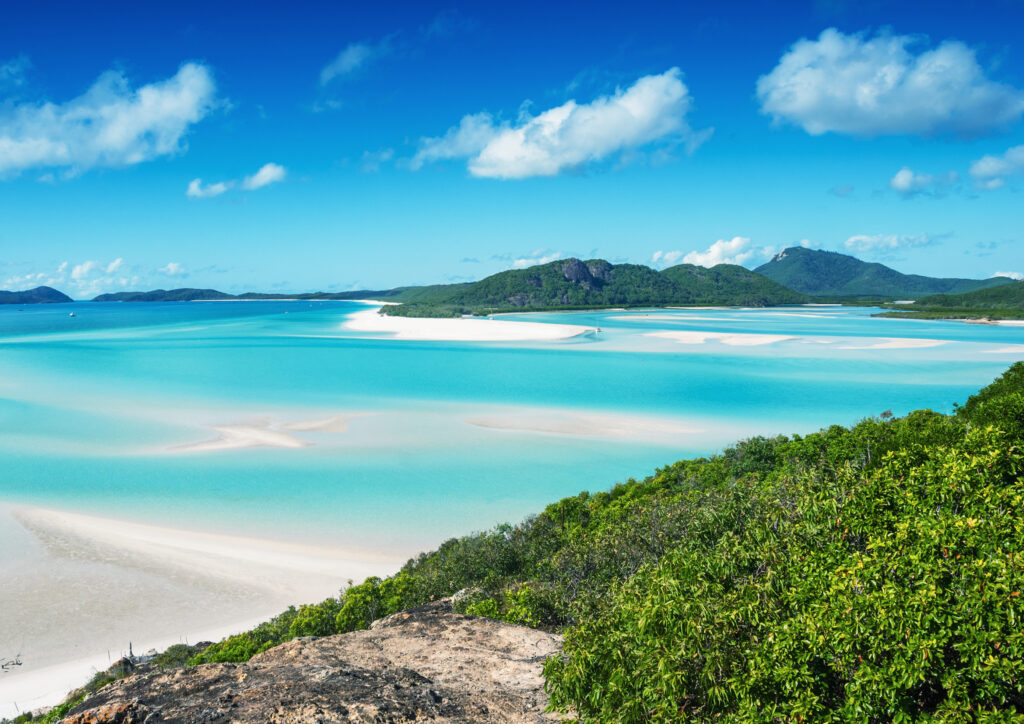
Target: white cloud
x=540, y=256
x=571, y=135
x=115, y=265
x=908, y=183
x=865, y=86
x=885, y=242
x=353, y=57
x=1009, y=274
x=81, y=271
x=736, y=250
x=196, y=190
x=269, y=173
x=173, y=269
x=990, y=172
x=108, y=125
x=662, y=259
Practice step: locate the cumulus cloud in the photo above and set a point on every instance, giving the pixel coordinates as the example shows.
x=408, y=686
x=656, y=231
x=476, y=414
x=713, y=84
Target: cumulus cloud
x=873, y=86
x=84, y=281
x=109, y=125
x=652, y=110
x=81, y=271
x=885, y=243
x=1009, y=274
x=907, y=182
x=990, y=172
x=269, y=173
x=661, y=259
x=196, y=190
x=736, y=250
x=173, y=269
x=539, y=256
x=353, y=57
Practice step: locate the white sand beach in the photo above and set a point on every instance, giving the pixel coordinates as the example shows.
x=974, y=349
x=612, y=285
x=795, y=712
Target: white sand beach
x=733, y=340
x=462, y=329
x=81, y=586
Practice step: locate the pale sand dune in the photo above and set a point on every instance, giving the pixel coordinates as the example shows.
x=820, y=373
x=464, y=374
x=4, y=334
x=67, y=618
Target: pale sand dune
x=461, y=330
x=330, y=424
x=234, y=437
x=97, y=583
x=734, y=340
x=897, y=343
x=262, y=433
x=583, y=424
x=1009, y=349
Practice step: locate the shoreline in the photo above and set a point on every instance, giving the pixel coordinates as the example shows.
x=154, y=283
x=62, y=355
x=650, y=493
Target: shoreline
x=431, y=329
x=85, y=585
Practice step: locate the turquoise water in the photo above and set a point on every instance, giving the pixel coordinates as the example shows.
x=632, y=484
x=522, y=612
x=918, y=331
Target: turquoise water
x=94, y=408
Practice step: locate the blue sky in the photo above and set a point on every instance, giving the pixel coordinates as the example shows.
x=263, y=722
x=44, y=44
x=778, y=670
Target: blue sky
x=338, y=146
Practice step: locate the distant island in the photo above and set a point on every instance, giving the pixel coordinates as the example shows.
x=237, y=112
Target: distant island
x=794, y=276
x=39, y=295
x=1003, y=302
x=830, y=274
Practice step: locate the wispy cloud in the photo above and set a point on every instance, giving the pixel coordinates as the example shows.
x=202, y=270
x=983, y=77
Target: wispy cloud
x=173, y=269
x=908, y=182
x=372, y=160
x=12, y=72
x=1009, y=274
x=355, y=56
x=991, y=172
x=196, y=190
x=109, y=125
x=883, y=245
x=539, y=256
x=269, y=173
x=572, y=135
x=873, y=86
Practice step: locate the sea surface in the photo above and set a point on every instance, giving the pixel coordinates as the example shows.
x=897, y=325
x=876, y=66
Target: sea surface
x=99, y=411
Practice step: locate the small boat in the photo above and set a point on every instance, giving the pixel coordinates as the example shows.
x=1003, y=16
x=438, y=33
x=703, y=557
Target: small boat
x=72, y=314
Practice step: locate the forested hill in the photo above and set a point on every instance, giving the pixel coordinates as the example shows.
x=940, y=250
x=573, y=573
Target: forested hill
x=39, y=295
x=1003, y=302
x=830, y=274
x=190, y=295
x=572, y=283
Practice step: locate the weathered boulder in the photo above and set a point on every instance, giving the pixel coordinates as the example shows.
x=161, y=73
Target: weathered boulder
x=426, y=663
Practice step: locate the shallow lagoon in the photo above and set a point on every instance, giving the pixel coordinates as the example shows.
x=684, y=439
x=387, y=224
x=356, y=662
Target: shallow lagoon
x=393, y=446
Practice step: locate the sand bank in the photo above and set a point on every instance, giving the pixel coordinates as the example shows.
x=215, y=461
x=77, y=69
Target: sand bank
x=897, y=343
x=264, y=433
x=461, y=330
x=565, y=422
x=82, y=586
x=733, y=340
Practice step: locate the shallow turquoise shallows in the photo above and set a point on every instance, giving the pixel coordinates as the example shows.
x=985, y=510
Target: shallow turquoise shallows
x=100, y=412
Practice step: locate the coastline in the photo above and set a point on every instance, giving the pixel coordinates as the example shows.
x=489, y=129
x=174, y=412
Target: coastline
x=94, y=584
x=430, y=329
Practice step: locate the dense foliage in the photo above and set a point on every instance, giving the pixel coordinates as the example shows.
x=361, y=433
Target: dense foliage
x=872, y=573
x=830, y=274
x=575, y=284
x=1002, y=302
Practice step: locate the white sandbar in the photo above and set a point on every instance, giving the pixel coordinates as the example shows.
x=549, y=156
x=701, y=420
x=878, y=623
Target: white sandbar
x=897, y=343
x=461, y=329
x=586, y=424
x=734, y=340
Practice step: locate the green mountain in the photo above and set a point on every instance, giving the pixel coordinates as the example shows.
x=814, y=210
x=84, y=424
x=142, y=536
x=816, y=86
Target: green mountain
x=164, y=295
x=830, y=274
x=572, y=283
x=39, y=295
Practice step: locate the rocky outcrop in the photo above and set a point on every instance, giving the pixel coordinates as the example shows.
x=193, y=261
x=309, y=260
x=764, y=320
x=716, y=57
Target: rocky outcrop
x=424, y=664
